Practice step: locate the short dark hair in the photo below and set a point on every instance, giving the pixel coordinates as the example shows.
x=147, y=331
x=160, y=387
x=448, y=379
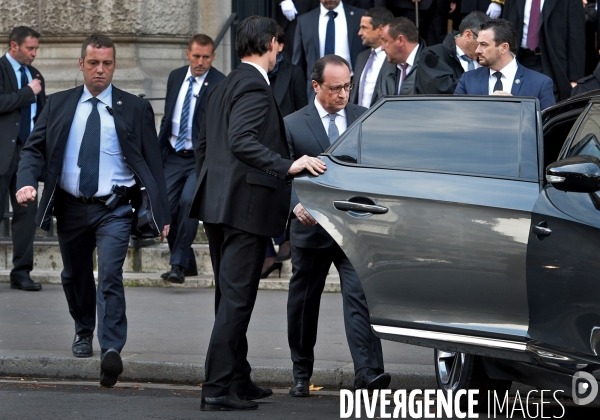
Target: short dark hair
x=504, y=31
x=405, y=27
x=380, y=16
x=253, y=35
x=280, y=35
x=98, y=41
x=201, y=39
x=473, y=22
x=19, y=33
x=317, y=71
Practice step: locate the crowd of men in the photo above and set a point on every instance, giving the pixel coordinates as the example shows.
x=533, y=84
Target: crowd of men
x=226, y=154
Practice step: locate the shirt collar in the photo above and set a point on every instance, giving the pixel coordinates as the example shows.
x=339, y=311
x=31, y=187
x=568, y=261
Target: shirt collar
x=378, y=50
x=411, y=58
x=260, y=69
x=339, y=9
x=509, y=71
x=460, y=52
x=323, y=113
x=199, y=79
x=14, y=63
x=105, y=96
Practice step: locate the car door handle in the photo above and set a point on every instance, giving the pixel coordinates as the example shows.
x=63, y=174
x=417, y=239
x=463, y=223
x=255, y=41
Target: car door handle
x=367, y=208
x=541, y=229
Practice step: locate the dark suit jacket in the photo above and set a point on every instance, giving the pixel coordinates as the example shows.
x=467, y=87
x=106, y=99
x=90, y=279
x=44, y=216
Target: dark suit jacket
x=12, y=99
x=361, y=62
x=306, y=40
x=390, y=78
x=307, y=136
x=531, y=83
x=289, y=88
x=439, y=68
x=134, y=122
x=302, y=6
x=242, y=158
x=588, y=83
x=176, y=79
x=562, y=39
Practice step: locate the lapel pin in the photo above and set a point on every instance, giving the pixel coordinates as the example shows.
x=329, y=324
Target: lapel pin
x=517, y=81
x=205, y=83
x=119, y=103
x=351, y=13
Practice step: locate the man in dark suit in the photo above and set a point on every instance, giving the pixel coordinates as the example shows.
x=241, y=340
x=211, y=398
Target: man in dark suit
x=372, y=62
x=501, y=73
x=286, y=14
x=441, y=66
x=401, y=43
x=187, y=90
x=22, y=98
x=310, y=131
x=242, y=196
x=550, y=40
x=95, y=146
x=588, y=83
x=433, y=17
x=330, y=29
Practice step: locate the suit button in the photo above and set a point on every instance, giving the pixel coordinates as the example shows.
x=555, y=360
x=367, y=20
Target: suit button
x=13, y=140
x=17, y=124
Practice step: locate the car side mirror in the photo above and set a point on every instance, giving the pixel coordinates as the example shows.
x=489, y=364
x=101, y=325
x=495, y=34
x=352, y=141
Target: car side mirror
x=575, y=174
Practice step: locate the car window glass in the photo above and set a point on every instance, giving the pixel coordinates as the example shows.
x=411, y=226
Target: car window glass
x=480, y=137
x=347, y=149
x=586, y=140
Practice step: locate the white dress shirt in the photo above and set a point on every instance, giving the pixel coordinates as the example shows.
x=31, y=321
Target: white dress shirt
x=526, y=21
x=17, y=68
x=340, y=120
x=410, y=61
x=369, y=79
x=341, y=32
x=508, y=77
x=464, y=63
x=196, y=86
x=112, y=167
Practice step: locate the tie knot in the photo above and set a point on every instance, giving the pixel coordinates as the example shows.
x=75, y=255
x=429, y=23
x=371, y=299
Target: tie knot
x=192, y=79
x=404, y=66
x=332, y=14
x=94, y=101
x=22, y=69
x=465, y=57
x=332, y=117
x=498, y=75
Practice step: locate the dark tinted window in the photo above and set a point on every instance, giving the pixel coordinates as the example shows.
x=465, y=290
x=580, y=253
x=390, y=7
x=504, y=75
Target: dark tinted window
x=586, y=140
x=478, y=137
x=347, y=150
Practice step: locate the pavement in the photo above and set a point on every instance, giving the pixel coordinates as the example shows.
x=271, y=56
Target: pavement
x=168, y=334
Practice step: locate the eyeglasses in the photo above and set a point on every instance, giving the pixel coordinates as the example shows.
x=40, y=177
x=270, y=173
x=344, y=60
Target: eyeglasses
x=337, y=89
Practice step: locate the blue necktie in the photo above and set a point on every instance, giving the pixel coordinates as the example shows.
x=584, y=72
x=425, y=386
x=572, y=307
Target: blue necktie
x=470, y=64
x=334, y=133
x=89, y=153
x=330, y=33
x=183, y=120
x=25, y=127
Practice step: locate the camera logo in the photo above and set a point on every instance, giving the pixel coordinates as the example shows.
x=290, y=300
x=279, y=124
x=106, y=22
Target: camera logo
x=584, y=387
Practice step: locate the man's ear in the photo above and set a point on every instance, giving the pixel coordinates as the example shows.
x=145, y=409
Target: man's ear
x=272, y=44
x=80, y=64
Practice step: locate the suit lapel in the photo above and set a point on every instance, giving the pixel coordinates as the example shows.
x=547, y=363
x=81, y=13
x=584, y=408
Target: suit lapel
x=521, y=13
x=316, y=126
x=351, y=115
x=546, y=10
x=11, y=73
x=349, y=18
x=203, y=89
x=118, y=106
x=516, y=87
x=66, y=121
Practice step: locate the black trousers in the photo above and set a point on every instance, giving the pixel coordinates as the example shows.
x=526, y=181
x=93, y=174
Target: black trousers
x=82, y=228
x=310, y=267
x=180, y=176
x=23, y=221
x=237, y=258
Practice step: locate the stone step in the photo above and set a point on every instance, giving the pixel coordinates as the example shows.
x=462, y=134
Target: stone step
x=332, y=284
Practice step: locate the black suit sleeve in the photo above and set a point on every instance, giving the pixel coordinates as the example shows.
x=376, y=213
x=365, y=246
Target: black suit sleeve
x=294, y=198
x=200, y=151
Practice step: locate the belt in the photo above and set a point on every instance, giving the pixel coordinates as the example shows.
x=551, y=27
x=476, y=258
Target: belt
x=183, y=153
x=526, y=51
x=93, y=200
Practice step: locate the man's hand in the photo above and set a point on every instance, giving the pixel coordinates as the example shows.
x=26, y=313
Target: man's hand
x=164, y=233
x=303, y=216
x=288, y=9
x=573, y=84
x=35, y=85
x=26, y=194
x=312, y=164
x=502, y=93
x=494, y=10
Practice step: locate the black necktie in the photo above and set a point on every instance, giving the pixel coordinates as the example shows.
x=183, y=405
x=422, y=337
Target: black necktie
x=498, y=85
x=25, y=127
x=330, y=33
x=89, y=153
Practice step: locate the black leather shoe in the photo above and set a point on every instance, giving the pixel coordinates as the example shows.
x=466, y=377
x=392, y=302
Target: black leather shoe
x=254, y=392
x=165, y=275
x=82, y=346
x=176, y=275
x=187, y=272
x=368, y=379
x=111, y=366
x=300, y=388
x=25, y=284
x=226, y=403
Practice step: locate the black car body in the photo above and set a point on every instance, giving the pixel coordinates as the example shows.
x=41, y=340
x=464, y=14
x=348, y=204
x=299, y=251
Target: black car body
x=464, y=241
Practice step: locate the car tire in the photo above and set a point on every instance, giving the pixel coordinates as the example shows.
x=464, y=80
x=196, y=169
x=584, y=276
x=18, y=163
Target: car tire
x=456, y=371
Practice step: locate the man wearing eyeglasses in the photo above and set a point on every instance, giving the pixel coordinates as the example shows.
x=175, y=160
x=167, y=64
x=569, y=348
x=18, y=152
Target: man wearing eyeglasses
x=310, y=131
x=441, y=66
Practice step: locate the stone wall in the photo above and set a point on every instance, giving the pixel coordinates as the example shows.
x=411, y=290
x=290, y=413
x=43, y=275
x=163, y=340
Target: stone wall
x=150, y=35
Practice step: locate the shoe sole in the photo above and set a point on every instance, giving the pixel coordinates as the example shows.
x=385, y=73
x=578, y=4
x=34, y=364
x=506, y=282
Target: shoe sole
x=112, y=367
x=13, y=286
x=81, y=355
x=299, y=395
x=174, y=279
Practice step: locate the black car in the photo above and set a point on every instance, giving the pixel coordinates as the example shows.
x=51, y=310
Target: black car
x=473, y=224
